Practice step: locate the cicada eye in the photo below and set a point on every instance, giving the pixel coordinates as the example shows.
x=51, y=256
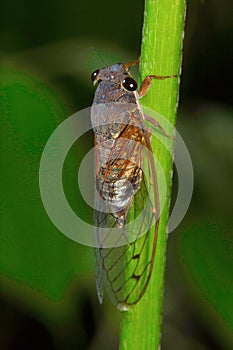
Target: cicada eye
x=95, y=75
x=129, y=84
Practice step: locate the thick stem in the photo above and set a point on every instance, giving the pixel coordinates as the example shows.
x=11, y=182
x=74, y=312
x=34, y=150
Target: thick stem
x=161, y=55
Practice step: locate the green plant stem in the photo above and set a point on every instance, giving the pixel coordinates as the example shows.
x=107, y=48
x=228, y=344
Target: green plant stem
x=161, y=54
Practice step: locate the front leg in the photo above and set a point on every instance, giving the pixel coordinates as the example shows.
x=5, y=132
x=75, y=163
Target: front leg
x=143, y=91
x=147, y=82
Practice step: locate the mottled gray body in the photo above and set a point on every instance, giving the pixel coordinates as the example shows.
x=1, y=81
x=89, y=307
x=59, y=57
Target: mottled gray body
x=119, y=127
x=123, y=156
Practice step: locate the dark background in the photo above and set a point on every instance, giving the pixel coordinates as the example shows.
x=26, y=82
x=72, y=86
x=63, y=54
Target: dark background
x=47, y=288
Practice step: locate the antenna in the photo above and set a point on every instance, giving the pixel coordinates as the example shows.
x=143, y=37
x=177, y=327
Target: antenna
x=100, y=57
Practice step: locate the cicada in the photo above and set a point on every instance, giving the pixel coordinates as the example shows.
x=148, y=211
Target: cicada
x=127, y=206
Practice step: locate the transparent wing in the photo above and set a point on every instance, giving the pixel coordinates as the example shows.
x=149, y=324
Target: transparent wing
x=124, y=270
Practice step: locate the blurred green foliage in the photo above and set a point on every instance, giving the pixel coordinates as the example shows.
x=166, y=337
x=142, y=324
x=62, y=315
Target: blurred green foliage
x=47, y=288
x=32, y=250
x=211, y=269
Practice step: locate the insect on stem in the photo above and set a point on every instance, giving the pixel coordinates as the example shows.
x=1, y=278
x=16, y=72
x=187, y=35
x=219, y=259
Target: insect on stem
x=126, y=184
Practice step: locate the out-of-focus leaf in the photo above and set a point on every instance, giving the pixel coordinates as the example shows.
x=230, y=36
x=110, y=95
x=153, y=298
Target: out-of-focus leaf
x=207, y=254
x=207, y=133
x=32, y=250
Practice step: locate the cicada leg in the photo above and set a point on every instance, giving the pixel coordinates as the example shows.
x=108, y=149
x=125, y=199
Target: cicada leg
x=143, y=91
x=131, y=64
x=147, y=82
x=156, y=124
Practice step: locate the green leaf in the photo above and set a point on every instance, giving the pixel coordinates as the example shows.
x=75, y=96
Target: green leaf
x=32, y=250
x=207, y=254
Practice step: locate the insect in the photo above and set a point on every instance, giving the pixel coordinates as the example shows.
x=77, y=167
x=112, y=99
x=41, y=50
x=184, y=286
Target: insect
x=127, y=207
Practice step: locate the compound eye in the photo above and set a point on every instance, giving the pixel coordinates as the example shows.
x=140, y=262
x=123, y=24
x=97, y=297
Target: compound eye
x=95, y=75
x=129, y=84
